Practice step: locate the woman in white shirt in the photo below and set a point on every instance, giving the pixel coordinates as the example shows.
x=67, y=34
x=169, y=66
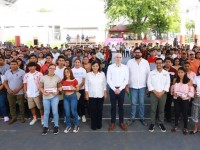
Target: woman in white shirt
x=79, y=74
x=95, y=91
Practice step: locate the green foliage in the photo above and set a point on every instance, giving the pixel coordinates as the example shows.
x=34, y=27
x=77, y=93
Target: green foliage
x=29, y=43
x=142, y=15
x=190, y=25
x=11, y=40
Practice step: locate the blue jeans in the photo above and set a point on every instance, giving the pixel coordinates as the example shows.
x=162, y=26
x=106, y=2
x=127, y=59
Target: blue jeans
x=51, y=103
x=70, y=106
x=137, y=98
x=3, y=107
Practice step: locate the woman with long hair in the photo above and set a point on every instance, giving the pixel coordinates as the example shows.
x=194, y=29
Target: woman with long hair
x=20, y=63
x=70, y=87
x=176, y=64
x=183, y=91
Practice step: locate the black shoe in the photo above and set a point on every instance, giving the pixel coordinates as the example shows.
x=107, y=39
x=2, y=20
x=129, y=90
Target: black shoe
x=143, y=122
x=151, y=127
x=130, y=122
x=45, y=130
x=162, y=127
x=55, y=130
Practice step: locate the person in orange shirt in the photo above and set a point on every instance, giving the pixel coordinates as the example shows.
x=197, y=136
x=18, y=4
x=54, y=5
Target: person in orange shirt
x=195, y=63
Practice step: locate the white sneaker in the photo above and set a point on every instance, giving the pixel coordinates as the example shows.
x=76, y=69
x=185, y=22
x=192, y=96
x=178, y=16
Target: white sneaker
x=83, y=118
x=42, y=121
x=79, y=118
x=33, y=122
x=76, y=129
x=6, y=119
x=67, y=129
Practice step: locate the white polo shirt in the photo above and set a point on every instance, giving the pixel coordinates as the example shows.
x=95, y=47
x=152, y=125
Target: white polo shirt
x=158, y=81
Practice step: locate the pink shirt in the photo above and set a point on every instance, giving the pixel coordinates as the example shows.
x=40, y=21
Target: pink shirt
x=191, y=75
x=183, y=90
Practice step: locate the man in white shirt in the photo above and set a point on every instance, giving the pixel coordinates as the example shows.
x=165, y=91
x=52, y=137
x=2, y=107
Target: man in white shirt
x=138, y=73
x=118, y=48
x=117, y=78
x=55, y=54
x=158, y=84
x=60, y=73
x=32, y=93
x=127, y=49
x=60, y=67
x=114, y=51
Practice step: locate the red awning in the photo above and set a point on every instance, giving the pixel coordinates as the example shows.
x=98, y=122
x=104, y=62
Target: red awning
x=119, y=28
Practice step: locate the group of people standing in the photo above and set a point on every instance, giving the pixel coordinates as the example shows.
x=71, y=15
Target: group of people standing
x=80, y=81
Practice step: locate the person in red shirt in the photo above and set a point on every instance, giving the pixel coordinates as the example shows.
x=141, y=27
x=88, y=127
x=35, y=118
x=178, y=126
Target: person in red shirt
x=49, y=60
x=152, y=59
x=70, y=87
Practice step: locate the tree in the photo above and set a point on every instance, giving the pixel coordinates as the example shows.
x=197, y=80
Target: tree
x=142, y=15
x=190, y=26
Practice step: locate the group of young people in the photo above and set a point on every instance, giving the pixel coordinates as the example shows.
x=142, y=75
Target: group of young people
x=78, y=76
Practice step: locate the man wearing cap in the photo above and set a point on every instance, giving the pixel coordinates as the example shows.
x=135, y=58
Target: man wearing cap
x=193, y=62
x=32, y=93
x=78, y=56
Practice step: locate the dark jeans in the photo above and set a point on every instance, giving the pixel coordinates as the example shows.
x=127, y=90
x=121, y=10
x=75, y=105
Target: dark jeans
x=3, y=107
x=113, y=99
x=168, y=106
x=96, y=109
x=181, y=106
x=127, y=53
x=81, y=103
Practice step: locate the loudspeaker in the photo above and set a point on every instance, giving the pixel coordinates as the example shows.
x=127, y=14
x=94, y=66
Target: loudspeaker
x=175, y=42
x=35, y=41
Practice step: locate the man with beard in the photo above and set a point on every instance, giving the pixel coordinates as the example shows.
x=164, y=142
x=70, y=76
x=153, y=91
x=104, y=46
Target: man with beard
x=138, y=73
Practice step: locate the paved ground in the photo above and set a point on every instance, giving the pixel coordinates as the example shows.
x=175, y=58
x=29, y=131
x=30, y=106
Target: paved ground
x=25, y=137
